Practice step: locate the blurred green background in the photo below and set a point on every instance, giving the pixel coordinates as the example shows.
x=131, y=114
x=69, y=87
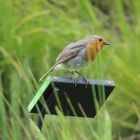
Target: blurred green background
x=33, y=32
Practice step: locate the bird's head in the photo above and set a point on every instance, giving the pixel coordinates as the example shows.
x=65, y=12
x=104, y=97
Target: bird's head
x=94, y=44
x=98, y=41
x=101, y=41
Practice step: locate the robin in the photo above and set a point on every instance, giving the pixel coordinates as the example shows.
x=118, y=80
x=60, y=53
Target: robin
x=78, y=54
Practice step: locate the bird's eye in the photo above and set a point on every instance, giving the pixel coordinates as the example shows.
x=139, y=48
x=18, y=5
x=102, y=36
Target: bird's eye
x=100, y=39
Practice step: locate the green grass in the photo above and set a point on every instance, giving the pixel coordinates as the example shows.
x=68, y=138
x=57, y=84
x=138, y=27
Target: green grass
x=32, y=33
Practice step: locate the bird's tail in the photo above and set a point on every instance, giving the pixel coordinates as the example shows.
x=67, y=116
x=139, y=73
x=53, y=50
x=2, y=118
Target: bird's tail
x=46, y=74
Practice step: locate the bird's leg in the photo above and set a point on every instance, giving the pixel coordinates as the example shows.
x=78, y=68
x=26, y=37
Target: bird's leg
x=86, y=82
x=78, y=73
x=74, y=79
x=70, y=71
x=84, y=79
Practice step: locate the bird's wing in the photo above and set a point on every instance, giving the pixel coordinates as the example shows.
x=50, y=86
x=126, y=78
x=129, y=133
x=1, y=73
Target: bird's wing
x=70, y=51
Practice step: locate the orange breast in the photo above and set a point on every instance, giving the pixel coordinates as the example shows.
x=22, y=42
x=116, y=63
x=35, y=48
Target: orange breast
x=92, y=51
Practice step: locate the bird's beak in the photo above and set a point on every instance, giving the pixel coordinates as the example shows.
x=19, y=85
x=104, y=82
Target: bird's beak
x=107, y=43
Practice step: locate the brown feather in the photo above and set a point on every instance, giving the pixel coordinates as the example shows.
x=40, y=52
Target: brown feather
x=69, y=52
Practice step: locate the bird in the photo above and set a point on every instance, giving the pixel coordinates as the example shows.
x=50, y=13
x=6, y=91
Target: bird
x=78, y=54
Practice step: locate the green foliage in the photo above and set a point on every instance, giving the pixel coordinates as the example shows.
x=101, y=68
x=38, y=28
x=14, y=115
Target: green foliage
x=33, y=32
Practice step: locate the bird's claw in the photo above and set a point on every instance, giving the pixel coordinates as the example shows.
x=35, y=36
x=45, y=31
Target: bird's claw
x=74, y=81
x=84, y=79
x=86, y=82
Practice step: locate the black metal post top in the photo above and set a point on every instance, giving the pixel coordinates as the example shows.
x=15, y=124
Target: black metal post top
x=71, y=99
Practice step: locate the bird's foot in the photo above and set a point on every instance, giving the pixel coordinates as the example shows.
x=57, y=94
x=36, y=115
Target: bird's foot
x=86, y=82
x=74, y=80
